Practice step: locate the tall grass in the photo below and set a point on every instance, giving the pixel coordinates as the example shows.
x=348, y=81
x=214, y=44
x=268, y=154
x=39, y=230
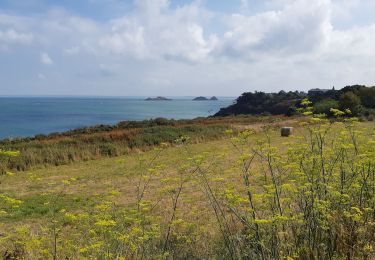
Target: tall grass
x=108, y=141
x=83, y=148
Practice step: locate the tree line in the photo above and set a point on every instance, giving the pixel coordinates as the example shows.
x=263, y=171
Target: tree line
x=359, y=99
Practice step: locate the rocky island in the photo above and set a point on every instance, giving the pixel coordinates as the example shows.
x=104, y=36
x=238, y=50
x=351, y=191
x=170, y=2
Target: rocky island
x=157, y=99
x=204, y=98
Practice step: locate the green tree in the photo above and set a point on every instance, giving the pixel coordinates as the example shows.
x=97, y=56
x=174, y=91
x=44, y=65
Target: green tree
x=324, y=106
x=367, y=96
x=350, y=101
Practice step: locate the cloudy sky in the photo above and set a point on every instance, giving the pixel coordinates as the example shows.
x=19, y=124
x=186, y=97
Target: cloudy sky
x=183, y=47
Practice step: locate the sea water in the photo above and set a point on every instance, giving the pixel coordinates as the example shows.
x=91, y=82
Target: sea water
x=29, y=116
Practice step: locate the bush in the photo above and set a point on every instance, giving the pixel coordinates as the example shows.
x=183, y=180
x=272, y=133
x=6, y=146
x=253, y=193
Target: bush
x=324, y=106
x=350, y=101
x=108, y=150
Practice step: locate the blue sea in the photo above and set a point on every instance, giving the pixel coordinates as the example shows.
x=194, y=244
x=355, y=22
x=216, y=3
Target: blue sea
x=29, y=116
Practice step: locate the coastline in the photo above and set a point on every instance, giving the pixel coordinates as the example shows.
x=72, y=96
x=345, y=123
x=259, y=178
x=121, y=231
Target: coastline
x=98, y=128
x=30, y=116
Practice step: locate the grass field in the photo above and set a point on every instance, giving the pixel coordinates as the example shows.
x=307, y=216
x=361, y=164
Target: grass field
x=191, y=200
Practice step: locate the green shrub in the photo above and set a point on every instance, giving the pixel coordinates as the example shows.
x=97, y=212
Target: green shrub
x=324, y=106
x=350, y=101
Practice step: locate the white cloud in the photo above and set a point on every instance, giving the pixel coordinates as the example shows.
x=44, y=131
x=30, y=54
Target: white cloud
x=45, y=59
x=12, y=36
x=155, y=31
x=158, y=46
x=127, y=37
x=14, y=32
x=300, y=27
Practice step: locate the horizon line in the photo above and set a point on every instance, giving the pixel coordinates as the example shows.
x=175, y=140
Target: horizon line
x=109, y=96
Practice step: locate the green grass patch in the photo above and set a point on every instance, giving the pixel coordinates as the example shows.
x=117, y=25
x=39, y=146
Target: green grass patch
x=45, y=206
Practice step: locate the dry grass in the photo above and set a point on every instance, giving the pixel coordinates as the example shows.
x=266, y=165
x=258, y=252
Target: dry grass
x=94, y=180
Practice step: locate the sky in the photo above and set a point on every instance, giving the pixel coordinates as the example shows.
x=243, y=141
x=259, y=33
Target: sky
x=183, y=47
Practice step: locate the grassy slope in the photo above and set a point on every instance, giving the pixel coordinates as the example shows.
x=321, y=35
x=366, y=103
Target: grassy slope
x=96, y=179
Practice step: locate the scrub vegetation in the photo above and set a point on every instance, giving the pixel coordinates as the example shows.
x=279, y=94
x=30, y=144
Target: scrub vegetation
x=358, y=98
x=108, y=141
